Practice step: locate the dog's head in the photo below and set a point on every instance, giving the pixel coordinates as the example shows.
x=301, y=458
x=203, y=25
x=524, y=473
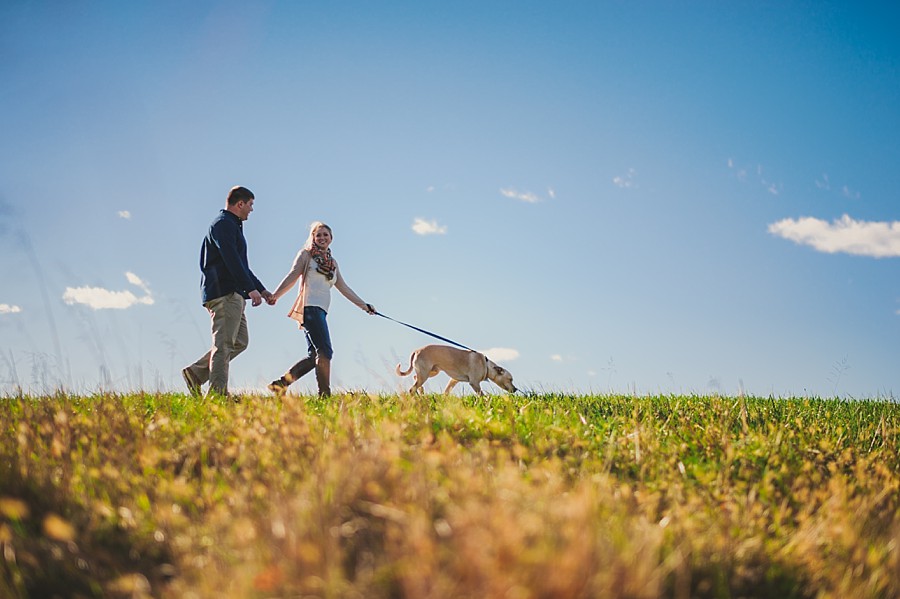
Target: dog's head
x=500, y=377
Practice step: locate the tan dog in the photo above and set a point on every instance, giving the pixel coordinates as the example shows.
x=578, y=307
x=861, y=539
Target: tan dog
x=461, y=365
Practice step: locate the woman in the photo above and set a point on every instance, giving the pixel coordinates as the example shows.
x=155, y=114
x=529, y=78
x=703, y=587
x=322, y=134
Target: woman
x=318, y=272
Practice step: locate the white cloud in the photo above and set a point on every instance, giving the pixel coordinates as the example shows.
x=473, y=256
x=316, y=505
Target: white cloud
x=137, y=282
x=556, y=358
x=425, y=227
x=501, y=354
x=844, y=235
x=850, y=194
x=526, y=196
x=742, y=174
x=551, y=192
x=7, y=309
x=823, y=183
x=125, y=214
x=626, y=181
x=104, y=299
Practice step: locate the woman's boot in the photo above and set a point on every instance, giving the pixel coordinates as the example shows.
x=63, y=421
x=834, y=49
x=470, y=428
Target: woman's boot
x=323, y=376
x=296, y=371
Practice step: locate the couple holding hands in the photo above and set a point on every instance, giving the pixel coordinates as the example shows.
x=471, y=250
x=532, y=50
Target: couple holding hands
x=227, y=282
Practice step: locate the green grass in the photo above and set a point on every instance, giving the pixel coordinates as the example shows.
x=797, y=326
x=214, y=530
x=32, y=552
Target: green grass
x=550, y=496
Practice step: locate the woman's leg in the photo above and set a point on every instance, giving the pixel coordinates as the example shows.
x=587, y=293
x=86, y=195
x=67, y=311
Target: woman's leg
x=323, y=376
x=296, y=371
x=317, y=331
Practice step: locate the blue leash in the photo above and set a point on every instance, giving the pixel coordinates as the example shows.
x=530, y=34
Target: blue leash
x=426, y=332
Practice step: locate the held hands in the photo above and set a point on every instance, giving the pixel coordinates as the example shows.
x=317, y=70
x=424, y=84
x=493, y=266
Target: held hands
x=256, y=298
x=371, y=309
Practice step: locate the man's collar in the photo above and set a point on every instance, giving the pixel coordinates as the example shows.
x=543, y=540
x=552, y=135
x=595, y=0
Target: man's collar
x=232, y=215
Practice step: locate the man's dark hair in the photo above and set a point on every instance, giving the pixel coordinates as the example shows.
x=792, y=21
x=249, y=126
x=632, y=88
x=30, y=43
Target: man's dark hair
x=239, y=194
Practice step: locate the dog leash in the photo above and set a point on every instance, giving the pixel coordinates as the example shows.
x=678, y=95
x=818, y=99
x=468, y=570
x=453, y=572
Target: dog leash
x=424, y=331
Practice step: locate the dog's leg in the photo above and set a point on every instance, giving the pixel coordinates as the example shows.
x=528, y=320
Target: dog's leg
x=450, y=386
x=420, y=377
x=418, y=381
x=423, y=373
x=477, y=386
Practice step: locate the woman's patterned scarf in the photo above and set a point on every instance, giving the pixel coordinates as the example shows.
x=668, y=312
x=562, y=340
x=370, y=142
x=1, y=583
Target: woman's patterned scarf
x=324, y=261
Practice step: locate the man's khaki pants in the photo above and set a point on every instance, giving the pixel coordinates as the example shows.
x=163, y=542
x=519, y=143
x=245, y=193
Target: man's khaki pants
x=229, y=338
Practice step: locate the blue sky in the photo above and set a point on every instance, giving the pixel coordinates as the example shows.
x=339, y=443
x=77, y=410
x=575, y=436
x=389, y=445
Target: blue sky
x=628, y=197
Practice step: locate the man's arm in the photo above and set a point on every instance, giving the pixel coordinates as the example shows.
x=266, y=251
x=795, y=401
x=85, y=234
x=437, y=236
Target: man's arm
x=225, y=235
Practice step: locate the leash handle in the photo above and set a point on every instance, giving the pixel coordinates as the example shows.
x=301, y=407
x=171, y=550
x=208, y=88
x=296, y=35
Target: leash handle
x=424, y=331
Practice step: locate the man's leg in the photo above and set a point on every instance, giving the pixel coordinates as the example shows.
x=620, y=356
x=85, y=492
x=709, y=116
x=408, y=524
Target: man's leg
x=197, y=374
x=229, y=337
x=242, y=339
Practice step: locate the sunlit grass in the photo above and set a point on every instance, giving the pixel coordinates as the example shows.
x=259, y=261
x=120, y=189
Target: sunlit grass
x=391, y=496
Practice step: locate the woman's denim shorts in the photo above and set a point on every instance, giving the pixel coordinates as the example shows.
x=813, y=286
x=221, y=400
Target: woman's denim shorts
x=317, y=337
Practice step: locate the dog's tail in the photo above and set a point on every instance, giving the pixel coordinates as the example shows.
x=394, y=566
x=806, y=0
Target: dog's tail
x=410, y=369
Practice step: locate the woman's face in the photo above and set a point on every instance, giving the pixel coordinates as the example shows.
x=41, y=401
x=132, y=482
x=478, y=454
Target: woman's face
x=322, y=237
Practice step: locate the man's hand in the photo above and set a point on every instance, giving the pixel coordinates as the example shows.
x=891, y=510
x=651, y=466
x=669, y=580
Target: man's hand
x=269, y=297
x=255, y=298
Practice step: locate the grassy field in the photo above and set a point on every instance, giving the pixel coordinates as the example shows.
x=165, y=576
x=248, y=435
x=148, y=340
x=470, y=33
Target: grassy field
x=548, y=496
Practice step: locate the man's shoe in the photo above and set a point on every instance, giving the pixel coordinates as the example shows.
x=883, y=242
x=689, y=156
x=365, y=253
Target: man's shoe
x=191, y=381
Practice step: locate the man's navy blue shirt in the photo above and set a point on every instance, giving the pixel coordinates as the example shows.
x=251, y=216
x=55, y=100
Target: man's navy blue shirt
x=223, y=260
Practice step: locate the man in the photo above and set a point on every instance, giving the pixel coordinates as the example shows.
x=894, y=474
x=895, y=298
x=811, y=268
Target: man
x=226, y=282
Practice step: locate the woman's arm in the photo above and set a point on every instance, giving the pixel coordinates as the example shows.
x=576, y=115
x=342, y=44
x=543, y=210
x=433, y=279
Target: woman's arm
x=301, y=262
x=345, y=290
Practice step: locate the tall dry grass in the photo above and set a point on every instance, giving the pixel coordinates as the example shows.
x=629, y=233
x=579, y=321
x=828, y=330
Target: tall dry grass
x=386, y=496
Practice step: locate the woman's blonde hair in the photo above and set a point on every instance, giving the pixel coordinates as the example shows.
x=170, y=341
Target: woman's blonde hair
x=310, y=241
